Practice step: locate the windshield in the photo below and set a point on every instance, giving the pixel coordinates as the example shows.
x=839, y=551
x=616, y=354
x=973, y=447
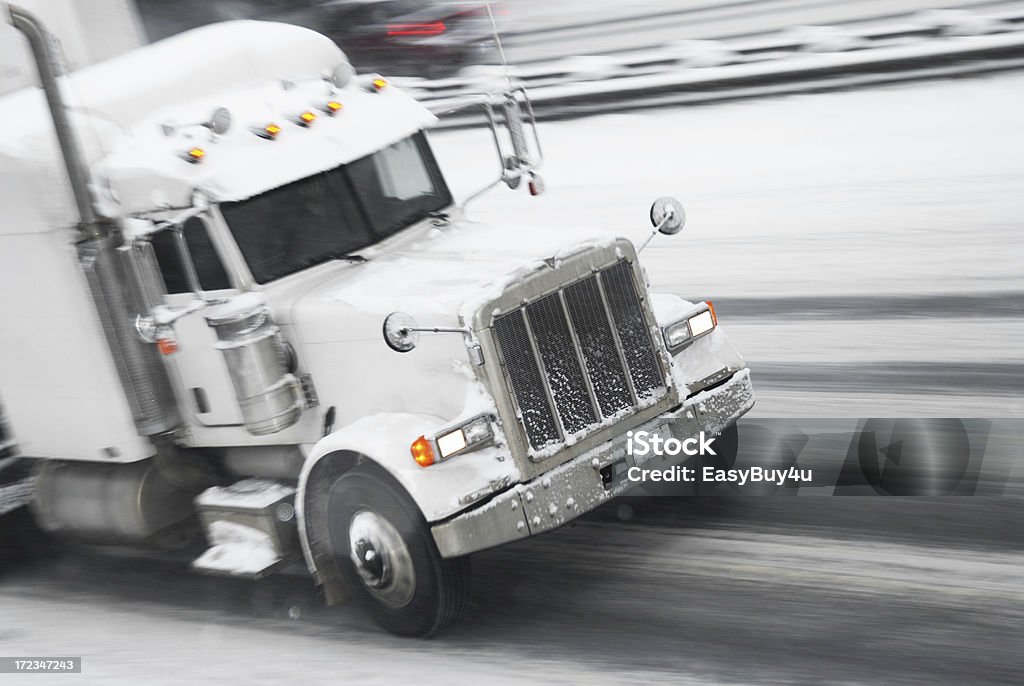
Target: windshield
x=332, y=214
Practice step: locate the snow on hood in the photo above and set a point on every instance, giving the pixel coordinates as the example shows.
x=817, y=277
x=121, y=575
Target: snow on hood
x=432, y=277
x=139, y=113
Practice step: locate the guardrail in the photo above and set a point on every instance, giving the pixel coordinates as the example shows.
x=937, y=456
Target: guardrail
x=933, y=44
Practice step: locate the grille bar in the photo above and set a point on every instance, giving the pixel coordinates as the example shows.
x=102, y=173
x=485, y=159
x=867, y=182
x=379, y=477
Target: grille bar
x=527, y=385
x=589, y=315
x=578, y=350
x=617, y=337
x=634, y=334
x=579, y=355
x=561, y=364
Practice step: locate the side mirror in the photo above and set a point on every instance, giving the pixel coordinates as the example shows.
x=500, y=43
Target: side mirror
x=667, y=216
x=514, y=131
x=400, y=332
x=158, y=327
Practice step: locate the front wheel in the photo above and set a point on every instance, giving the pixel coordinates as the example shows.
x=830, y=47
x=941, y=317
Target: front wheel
x=388, y=557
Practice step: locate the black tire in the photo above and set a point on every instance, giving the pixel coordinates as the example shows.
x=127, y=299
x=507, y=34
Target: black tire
x=441, y=587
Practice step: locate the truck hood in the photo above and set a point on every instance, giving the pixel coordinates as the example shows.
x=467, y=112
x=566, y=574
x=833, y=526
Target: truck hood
x=434, y=274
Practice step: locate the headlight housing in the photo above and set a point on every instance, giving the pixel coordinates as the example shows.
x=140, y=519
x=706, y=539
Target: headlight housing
x=470, y=435
x=700, y=322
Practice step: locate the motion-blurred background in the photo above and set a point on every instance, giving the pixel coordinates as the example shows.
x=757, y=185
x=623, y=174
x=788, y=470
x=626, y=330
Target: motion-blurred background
x=853, y=174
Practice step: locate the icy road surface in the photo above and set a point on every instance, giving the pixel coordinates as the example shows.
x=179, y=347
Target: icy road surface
x=692, y=591
x=865, y=249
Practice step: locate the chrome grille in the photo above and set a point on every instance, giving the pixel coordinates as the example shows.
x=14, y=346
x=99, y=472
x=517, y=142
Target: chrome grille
x=527, y=384
x=597, y=343
x=579, y=355
x=634, y=335
x=561, y=363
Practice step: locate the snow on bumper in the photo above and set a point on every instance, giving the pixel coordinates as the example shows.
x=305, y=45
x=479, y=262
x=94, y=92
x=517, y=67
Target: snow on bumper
x=578, y=486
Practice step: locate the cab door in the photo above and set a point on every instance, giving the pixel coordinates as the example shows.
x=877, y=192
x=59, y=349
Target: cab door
x=197, y=369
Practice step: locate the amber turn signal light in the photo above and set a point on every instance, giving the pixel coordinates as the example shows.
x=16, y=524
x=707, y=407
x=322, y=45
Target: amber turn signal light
x=711, y=307
x=422, y=451
x=167, y=346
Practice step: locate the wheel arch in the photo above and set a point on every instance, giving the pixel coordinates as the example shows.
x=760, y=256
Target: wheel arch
x=380, y=442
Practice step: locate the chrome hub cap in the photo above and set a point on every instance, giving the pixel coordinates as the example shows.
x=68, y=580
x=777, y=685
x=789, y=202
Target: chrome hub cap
x=381, y=558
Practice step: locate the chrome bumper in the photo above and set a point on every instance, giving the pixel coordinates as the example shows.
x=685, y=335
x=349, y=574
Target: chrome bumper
x=580, y=485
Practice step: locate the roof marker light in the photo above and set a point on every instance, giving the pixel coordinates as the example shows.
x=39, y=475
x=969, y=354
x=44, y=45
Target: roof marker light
x=332, y=107
x=379, y=84
x=306, y=118
x=269, y=132
x=194, y=155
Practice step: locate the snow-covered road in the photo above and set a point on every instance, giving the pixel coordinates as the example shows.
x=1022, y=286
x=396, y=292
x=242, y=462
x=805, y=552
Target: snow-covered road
x=691, y=591
x=872, y=241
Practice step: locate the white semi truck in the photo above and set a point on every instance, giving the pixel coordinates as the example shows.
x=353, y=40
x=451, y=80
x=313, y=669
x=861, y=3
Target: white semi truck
x=214, y=252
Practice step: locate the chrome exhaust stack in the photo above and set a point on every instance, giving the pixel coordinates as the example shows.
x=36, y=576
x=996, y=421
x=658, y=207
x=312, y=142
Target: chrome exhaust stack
x=143, y=377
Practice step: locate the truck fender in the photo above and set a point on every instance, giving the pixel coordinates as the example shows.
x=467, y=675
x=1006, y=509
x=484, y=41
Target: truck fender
x=382, y=440
x=706, y=358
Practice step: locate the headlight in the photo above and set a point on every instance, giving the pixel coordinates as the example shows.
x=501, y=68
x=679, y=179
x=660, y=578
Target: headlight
x=470, y=435
x=677, y=335
x=699, y=323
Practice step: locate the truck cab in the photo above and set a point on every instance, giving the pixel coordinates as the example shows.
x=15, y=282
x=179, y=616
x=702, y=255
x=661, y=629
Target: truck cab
x=287, y=331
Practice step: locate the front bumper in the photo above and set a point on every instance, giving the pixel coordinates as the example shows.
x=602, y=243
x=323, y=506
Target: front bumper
x=580, y=485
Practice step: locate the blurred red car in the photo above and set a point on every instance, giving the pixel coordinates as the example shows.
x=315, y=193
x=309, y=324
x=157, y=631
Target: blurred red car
x=431, y=38
x=409, y=38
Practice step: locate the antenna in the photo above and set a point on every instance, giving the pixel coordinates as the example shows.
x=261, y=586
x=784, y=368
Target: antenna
x=497, y=42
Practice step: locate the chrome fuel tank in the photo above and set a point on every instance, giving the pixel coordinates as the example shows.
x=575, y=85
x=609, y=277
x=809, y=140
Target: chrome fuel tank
x=256, y=356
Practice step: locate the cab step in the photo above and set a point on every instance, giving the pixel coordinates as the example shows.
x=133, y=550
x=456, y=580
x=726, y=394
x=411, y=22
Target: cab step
x=250, y=526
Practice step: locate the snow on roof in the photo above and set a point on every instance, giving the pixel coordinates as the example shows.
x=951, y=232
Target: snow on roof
x=151, y=170
x=119, y=105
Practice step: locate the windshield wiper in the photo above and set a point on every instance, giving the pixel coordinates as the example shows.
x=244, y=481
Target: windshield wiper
x=346, y=257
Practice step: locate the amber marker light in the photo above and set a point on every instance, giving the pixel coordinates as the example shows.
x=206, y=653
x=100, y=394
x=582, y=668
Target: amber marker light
x=306, y=118
x=379, y=84
x=422, y=451
x=194, y=155
x=711, y=307
x=332, y=107
x=269, y=132
x=167, y=346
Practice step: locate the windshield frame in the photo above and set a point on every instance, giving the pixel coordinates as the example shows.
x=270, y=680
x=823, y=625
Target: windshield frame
x=370, y=231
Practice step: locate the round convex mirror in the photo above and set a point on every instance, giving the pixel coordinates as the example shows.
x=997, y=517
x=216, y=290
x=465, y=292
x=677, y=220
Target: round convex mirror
x=399, y=333
x=668, y=215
